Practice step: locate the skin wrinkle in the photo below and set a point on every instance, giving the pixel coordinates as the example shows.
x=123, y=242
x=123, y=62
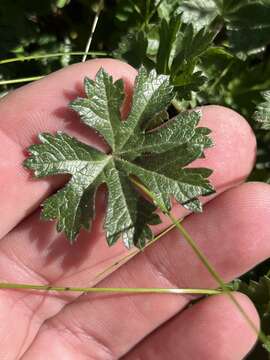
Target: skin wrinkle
x=178, y=281
x=233, y=191
x=78, y=332
x=129, y=298
x=32, y=307
x=127, y=278
x=198, y=319
x=11, y=140
x=108, y=259
x=161, y=269
x=30, y=273
x=32, y=318
x=35, y=277
x=39, y=280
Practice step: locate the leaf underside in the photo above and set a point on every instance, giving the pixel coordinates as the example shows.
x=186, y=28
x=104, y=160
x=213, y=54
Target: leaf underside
x=156, y=157
x=262, y=114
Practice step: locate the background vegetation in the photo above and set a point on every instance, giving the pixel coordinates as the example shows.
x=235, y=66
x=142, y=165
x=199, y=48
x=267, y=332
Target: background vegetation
x=215, y=51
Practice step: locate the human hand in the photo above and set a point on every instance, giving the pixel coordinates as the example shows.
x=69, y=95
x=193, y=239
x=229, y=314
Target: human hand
x=35, y=325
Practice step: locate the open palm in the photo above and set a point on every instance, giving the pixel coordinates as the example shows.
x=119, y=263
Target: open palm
x=35, y=325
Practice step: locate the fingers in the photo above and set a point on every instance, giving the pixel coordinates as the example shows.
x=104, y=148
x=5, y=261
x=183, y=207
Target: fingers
x=53, y=258
x=227, y=234
x=31, y=252
x=35, y=253
x=231, y=239
x=213, y=329
x=231, y=133
x=43, y=107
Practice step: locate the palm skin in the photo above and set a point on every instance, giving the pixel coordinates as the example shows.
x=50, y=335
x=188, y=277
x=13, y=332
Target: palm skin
x=100, y=326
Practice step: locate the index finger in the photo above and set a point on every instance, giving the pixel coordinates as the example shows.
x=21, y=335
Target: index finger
x=42, y=107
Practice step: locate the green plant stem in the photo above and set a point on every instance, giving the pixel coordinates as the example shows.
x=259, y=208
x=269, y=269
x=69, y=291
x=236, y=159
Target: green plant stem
x=154, y=10
x=222, y=75
x=21, y=80
x=148, y=15
x=124, y=259
x=216, y=276
x=204, y=260
x=93, y=28
x=50, y=55
x=109, y=290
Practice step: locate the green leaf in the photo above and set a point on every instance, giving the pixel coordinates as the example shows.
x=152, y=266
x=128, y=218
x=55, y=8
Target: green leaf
x=191, y=44
x=133, y=48
x=180, y=51
x=249, y=27
x=259, y=293
x=152, y=94
x=262, y=114
x=167, y=8
x=103, y=112
x=168, y=35
x=62, y=3
x=199, y=12
x=156, y=157
x=177, y=51
x=61, y=154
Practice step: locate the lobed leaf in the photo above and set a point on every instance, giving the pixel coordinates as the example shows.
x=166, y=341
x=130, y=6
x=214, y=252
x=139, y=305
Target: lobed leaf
x=157, y=157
